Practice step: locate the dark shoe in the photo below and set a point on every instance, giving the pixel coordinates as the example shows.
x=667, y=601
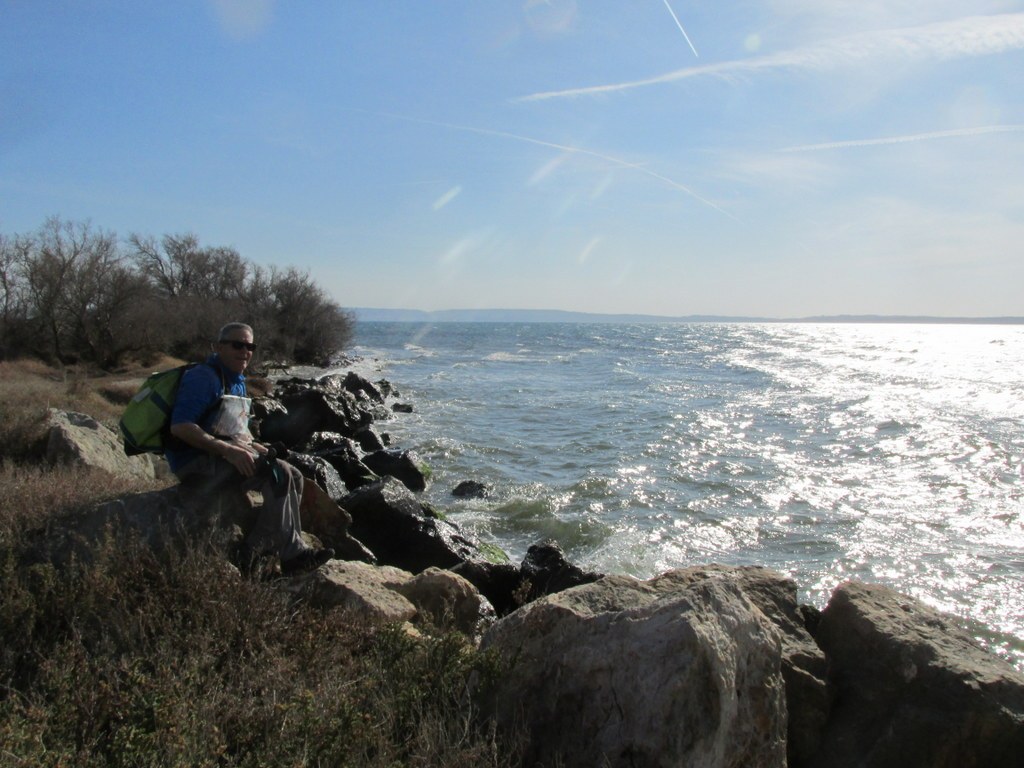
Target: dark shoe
x=307, y=560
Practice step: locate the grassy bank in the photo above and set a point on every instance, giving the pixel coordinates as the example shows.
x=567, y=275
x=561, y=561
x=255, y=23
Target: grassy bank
x=140, y=659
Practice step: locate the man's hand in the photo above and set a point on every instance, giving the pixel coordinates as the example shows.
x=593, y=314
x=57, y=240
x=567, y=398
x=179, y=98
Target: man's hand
x=239, y=458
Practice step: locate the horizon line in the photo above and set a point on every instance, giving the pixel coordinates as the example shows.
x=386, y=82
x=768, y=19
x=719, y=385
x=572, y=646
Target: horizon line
x=842, y=317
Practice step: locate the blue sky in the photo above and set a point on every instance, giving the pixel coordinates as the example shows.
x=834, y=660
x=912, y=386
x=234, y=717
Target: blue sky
x=758, y=157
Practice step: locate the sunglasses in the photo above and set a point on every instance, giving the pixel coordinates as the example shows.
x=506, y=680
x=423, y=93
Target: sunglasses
x=240, y=345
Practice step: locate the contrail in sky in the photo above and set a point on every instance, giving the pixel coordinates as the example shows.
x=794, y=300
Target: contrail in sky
x=905, y=139
x=562, y=147
x=678, y=24
x=971, y=36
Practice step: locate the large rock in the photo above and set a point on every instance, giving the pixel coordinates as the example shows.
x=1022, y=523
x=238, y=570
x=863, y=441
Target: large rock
x=913, y=688
x=358, y=385
x=404, y=533
x=383, y=594
x=403, y=465
x=804, y=668
x=628, y=673
x=445, y=599
x=160, y=519
x=546, y=570
x=314, y=410
x=365, y=592
x=323, y=518
x=75, y=438
x=321, y=472
x=342, y=454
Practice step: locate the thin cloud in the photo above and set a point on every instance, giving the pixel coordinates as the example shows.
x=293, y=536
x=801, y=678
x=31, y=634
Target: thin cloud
x=967, y=37
x=564, y=148
x=980, y=131
x=447, y=197
x=679, y=24
x=243, y=19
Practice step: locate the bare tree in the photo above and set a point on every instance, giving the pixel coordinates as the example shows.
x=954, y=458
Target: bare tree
x=79, y=292
x=179, y=267
x=70, y=292
x=13, y=300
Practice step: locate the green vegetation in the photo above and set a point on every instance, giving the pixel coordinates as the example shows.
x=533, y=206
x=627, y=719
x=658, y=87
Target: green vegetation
x=70, y=294
x=173, y=659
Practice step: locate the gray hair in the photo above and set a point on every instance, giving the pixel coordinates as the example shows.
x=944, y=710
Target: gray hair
x=222, y=335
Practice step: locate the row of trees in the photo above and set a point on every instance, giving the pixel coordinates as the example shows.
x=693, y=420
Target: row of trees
x=72, y=293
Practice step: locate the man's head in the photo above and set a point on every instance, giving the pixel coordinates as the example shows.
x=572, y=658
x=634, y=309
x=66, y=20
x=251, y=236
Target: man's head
x=235, y=346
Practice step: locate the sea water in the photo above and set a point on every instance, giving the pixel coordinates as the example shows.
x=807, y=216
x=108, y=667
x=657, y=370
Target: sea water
x=887, y=453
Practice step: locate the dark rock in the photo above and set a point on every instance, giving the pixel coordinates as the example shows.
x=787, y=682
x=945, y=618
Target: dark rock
x=321, y=442
x=402, y=466
x=320, y=471
x=546, y=569
x=345, y=458
x=913, y=688
x=313, y=410
x=470, y=489
x=369, y=440
x=405, y=533
x=264, y=406
x=499, y=582
x=401, y=408
x=385, y=388
x=295, y=385
x=356, y=384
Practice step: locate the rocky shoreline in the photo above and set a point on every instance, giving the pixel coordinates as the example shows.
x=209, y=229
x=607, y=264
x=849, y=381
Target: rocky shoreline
x=709, y=666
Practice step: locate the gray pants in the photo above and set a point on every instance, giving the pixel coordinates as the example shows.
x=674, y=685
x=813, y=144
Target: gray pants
x=278, y=528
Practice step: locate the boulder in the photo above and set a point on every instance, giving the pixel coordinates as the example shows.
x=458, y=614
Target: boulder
x=341, y=453
x=621, y=672
x=74, y=438
x=262, y=407
x=365, y=592
x=402, y=408
x=913, y=688
x=404, y=533
x=358, y=385
x=321, y=442
x=320, y=471
x=445, y=599
x=546, y=570
x=313, y=410
x=470, y=489
x=323, y=518
x=804, y=668
x=498, y=580
x=158, y=518
x=384, y=594
x=369, y=440
x=403, y=465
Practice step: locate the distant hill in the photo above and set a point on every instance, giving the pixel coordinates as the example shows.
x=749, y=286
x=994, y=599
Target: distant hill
x=364, y=314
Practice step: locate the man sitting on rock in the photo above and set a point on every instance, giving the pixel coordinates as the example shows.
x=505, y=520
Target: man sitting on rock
x=211, y=420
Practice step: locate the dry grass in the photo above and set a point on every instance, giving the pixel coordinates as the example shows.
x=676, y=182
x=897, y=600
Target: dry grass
x=32, y=495
x=29, y=387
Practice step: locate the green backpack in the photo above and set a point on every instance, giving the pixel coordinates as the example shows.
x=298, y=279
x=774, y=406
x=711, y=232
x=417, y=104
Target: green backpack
x=146, y=422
